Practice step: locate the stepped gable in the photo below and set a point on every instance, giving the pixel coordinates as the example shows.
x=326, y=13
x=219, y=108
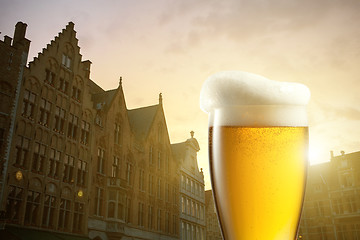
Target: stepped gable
x=67, y=33
x=141, y=120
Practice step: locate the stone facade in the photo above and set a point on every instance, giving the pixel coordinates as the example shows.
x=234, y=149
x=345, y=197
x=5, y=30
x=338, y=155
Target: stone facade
x=213, y=231
x=76, y=161
x=332, y=200
x=192, y=195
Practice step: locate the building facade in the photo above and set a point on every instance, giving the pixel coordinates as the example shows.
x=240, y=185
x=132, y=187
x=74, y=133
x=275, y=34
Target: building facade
x=213, y=231
x=14, y=53
x=76, y=163
x=192, y=194
x=332, y=200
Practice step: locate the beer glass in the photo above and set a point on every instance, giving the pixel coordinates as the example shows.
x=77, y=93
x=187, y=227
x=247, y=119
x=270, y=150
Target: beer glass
x=258, y=161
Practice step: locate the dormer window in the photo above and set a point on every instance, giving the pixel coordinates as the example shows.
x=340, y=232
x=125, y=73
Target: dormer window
x=66, y=61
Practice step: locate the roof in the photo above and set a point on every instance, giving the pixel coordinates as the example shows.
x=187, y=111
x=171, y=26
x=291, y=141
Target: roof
x=179, y=150
x=141, y=120
x=208, y=197
x=103, y=99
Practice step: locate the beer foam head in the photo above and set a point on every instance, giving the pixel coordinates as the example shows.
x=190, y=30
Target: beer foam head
x=225, y=91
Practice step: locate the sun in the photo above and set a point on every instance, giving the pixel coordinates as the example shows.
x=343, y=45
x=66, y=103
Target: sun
x=317, y=152
x=314, y=155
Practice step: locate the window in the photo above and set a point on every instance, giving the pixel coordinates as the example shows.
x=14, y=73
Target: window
x=183, y=205
x=159, y=159
x=346, y=180
x=99, y=199
x=188, y=208
x=63, y=86
x=85, y=131
x=142, y=180
x=49, y=211
x=115, y=167
x=72, y=126
x=66, y=61
x=128, y=173
x=22, y=150
x=117, y=133
x=151, y=217
x=68, y=169
x=13, y=203
x=54, y=163
x=38, y=158
x=141, y=214
x=202, y=212
x=101, y=161
x=32, y=207
x=174, y=193
x=76, y=93
x=128, y=210
x=183, y=185
x=167, y=192
x=197, y=210
x=151, y=155
x=174, y=222
x=160, y=135
x=120, y=210
x=111, y=209
x=159, y=188
x=167, y=165
x=28, y=104
x=50, y=77
x=159, y=220
x=45, y=107
x=81, y=173
x=167, y=222
x=183, y=230
x=151, y=185
x=64, y=214
x=78, y=217
x=59, y=119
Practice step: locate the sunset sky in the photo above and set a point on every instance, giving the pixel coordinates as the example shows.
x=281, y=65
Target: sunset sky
x=172, y=46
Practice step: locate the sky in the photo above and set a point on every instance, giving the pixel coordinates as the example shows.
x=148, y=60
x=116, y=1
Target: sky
x=172, y=46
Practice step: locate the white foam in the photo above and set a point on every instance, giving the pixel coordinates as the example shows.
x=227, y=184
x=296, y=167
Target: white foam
x=253, y=100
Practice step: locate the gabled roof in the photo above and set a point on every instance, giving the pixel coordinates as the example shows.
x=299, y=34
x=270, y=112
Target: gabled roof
x=141, y=120
x=104, y=99
x=179, y=150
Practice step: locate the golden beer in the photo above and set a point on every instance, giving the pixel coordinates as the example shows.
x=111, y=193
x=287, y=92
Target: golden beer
x=258, y=179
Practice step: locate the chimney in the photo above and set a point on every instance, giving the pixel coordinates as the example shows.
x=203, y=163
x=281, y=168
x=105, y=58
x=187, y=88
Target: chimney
x=86, y=67
x=19, y=34
x=7, y=40
x=331, y=154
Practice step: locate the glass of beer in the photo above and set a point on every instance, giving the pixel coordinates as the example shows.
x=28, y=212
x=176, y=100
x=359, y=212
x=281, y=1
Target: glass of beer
x=258, y=150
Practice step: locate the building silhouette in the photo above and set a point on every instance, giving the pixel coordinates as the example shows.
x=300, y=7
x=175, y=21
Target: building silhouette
x=192, y=198
x=213, y=231
x=76, y=163
x=332, y=200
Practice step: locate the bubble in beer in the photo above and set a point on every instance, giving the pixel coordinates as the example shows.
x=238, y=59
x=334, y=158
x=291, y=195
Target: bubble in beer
x=234, y=88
